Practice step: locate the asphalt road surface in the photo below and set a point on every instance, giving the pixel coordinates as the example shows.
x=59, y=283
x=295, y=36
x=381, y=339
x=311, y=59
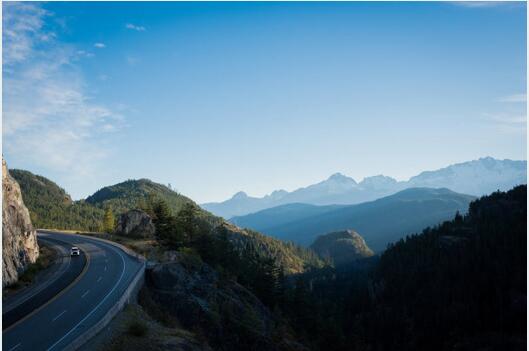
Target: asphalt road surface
x=78, y=306
x=55, y=279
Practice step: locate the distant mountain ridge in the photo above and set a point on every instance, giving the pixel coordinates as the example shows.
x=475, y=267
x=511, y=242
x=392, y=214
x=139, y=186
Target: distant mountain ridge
x=478, y=177
x=381, y=221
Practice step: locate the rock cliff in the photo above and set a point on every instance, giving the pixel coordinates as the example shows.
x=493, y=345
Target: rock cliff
x=19, y=239
x=342, y=247
x=135, y=223
x=228, y=315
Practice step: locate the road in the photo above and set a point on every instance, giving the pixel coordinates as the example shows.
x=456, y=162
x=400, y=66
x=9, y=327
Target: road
x=106, y=275
x=53, y=280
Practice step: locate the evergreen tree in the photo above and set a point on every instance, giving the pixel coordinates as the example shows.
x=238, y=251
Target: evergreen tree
x=167, y=228
x=108, y=221
x=187, y=221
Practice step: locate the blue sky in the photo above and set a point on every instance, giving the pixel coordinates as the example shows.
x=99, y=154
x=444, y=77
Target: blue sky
x=220, y=97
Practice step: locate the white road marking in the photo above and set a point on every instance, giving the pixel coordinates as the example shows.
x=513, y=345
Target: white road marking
x=105, y=268
x=14, y=347
x=54, y=319
x=99, y=279
x=100, y=303
x=82, y=296
x=56, y=276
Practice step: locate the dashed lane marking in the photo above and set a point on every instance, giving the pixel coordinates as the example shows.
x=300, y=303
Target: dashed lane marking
x=54, y=319
x=14, y=347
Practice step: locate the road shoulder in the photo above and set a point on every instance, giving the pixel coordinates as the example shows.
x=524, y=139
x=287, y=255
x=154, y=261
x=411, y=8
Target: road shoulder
x=54, y=261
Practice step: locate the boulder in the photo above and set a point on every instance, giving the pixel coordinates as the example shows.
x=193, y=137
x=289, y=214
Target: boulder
x=136, y=224
x=342, y=247
x=19, y=238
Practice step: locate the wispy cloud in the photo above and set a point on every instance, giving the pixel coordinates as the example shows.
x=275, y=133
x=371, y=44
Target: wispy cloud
x=23, y=29
x=49, y=120
x=83, y=53
x=514, y=98
x=135, y=27
x=508, y=122
x=99, y=45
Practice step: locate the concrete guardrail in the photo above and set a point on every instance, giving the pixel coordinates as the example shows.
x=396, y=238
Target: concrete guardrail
x=129, y=295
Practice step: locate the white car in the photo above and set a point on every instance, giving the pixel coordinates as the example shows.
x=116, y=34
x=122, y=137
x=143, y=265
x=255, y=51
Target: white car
x=75, y=251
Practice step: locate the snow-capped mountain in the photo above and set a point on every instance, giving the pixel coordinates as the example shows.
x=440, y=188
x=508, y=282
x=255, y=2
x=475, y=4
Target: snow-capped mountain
x=478, y=177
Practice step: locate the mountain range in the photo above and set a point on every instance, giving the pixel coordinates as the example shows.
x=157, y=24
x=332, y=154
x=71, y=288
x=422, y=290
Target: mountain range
x=477, y=177
x=381, y=222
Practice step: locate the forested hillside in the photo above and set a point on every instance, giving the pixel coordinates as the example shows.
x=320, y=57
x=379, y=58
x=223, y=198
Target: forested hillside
x=134, y=194
x=51, y=207
x=465, y=280
x=458, y=286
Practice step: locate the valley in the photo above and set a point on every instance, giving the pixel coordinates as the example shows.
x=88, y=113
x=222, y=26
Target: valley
x=264, y=175
x=325, y=267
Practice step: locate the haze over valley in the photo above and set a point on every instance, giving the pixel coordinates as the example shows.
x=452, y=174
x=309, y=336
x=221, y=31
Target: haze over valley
x=264, y=176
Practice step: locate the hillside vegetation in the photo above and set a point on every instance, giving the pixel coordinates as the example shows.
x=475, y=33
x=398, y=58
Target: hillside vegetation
x=51, y=207
x=341, y=247
x=460, y=285
x=381, y=222
x=134, y=194
x=465, y=279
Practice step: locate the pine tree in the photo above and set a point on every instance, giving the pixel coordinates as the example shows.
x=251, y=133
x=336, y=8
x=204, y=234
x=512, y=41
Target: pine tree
x=187, y=221
x=108, y=221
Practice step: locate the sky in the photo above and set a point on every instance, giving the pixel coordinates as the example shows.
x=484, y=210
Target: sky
x=214, y=98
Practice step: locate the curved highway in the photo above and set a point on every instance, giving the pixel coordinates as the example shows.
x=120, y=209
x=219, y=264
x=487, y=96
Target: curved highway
x=54, y=280
x=58, y=322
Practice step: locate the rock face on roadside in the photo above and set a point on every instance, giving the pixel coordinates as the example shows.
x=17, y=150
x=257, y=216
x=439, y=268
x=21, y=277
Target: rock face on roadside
x=227, y=314
x=19, y=239
x=342, y=247
x=136, y=224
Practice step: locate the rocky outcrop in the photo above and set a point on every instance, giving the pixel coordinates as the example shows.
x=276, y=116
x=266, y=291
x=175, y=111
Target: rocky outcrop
x=227, y=314
x=136, y=224
x=19, y=239
x=293, y=259
x=342, y=247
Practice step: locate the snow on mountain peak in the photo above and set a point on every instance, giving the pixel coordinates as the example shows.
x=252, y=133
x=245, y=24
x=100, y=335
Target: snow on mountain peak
x=339, y=177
